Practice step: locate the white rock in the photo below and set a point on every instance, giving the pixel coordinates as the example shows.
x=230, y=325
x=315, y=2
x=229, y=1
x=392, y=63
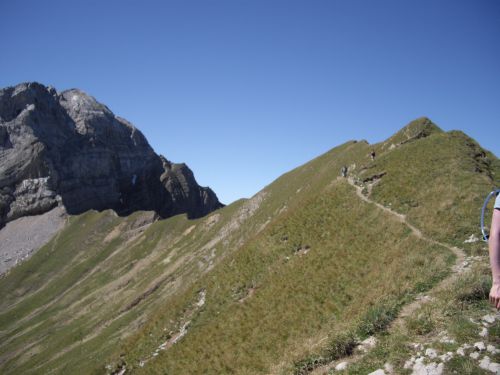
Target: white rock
x=486, y=364
x=460, y=351
x=369, y=342
x=480, y=346
x=408, y=364
x=431, y=353
x=202, y=296
x=472, y=238
x=419, y=360
x=494, y=367
x=489, y=318
x=341, y=366
x=446, y=357
x=474, y=355
x=389, y=368
x=446, y=340
x=484, y=332
x=466, y=346
x=417, y=346
x=429, y=369
x=492, y=349
x=377, y=372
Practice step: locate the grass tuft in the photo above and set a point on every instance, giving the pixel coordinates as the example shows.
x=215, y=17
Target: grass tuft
x=377, y=318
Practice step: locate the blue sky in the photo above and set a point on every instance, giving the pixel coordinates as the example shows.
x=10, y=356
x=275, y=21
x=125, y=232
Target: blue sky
x=243, y=91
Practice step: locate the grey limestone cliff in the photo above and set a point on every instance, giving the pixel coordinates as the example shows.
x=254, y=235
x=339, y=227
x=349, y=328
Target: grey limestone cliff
x=67, y=149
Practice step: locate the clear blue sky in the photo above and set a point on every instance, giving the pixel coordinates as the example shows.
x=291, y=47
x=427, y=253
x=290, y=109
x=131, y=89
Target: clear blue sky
x=243, y=91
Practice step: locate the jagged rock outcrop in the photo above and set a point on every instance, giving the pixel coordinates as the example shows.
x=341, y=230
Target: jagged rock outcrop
x=65, y=148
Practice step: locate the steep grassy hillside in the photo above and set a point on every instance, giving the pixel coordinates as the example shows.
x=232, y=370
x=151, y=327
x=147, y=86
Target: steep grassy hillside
x=438, y=181
x=297, y=280
x=264, y=285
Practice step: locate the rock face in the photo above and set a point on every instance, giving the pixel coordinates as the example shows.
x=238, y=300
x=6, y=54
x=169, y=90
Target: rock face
x=65, y=148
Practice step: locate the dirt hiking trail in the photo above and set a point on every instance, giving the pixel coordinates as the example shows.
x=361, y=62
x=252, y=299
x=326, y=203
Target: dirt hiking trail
x=457, y=269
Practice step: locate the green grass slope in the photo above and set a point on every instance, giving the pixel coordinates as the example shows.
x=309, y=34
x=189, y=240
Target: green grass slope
x=438, y=181
x=262, y=285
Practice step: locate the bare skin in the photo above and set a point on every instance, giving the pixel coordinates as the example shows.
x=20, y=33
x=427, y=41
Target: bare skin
x=494, y=247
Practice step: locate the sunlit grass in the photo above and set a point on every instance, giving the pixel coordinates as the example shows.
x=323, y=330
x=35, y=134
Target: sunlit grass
x=293, y=277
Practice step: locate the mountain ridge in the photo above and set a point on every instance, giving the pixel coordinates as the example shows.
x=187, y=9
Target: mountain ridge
x=271, y=284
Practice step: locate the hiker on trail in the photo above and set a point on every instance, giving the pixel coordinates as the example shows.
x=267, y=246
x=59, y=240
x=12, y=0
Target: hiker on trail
x=372, y=154
x=494, y=247
x=343, y=171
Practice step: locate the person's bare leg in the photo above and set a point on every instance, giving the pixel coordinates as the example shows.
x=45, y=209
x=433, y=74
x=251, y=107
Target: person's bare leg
x=494, y=248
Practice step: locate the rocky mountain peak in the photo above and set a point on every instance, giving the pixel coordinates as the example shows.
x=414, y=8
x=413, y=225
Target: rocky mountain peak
x=68, y=149
x=25, y=96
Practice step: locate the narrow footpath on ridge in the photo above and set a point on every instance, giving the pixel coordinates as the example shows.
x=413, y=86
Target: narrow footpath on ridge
x=457, y=269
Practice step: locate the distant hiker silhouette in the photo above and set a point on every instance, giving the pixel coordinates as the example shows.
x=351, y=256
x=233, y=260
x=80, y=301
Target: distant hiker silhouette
x=372, y=154
x=343, y=171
